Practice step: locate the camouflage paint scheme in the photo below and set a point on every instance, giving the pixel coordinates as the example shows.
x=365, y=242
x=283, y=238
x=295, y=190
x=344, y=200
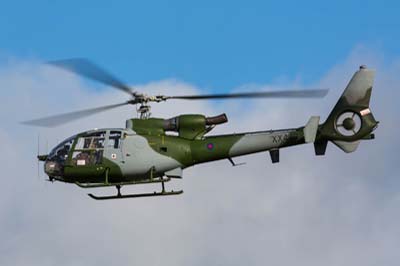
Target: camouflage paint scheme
x=148, y=151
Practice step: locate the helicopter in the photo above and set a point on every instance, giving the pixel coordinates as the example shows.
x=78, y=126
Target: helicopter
x=156, y=150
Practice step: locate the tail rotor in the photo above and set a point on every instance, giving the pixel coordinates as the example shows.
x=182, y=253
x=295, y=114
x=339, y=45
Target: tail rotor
x=351, y=119
x=348, y=124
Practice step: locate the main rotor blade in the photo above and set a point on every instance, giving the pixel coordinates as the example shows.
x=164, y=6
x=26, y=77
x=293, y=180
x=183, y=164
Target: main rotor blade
x=267, y=94
x=88, y=69
x=56, y=120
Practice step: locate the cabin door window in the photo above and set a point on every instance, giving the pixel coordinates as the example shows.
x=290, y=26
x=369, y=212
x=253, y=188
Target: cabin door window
x=89, y=149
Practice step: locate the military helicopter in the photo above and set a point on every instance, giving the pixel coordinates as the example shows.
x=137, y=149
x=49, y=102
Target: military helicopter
x=156, y=150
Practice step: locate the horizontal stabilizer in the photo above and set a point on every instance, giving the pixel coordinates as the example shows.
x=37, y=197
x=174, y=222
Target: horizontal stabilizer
x=310, y=130
x=347, y=146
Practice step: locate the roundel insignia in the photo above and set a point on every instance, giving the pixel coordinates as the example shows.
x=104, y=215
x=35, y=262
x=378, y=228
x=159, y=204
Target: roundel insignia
x=113, y=156
x=210, y=146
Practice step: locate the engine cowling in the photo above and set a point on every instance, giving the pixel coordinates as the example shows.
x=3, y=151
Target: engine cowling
x=191, y=126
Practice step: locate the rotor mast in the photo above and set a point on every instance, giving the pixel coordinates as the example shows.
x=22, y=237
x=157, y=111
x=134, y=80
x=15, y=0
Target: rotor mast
x=144, y=111
x=143, y=101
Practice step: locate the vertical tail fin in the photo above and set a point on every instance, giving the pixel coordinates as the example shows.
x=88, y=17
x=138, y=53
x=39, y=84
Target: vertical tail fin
x=311, y=129
x=351, y=119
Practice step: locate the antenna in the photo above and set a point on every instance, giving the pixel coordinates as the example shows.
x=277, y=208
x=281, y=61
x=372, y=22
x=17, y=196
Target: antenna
x=38, y=153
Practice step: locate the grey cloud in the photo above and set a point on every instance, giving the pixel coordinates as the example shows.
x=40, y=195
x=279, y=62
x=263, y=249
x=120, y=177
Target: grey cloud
x=341, y=209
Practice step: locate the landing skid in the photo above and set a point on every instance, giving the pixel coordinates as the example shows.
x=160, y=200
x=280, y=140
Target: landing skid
x=154, y=194
x=140, y=182
x=141, y=195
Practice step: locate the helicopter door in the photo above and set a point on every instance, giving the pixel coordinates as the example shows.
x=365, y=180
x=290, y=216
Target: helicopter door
x=87, y=156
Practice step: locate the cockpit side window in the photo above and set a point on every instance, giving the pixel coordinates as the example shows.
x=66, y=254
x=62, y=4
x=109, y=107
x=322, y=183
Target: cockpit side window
x=91, y=141
x=114, y=139
x=89, y=149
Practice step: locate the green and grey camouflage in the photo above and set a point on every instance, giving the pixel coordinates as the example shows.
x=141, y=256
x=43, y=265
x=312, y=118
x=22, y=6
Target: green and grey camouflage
x=156, y=150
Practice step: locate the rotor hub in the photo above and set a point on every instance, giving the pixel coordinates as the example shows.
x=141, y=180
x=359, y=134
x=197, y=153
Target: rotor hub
x=349, y=123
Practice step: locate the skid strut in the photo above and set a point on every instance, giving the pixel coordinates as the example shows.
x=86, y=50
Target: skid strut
x=163, y=192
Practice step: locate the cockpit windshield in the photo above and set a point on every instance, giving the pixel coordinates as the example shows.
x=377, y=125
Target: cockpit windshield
x=60, y=152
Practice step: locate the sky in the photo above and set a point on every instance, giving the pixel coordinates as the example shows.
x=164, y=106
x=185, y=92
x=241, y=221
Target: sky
x=217, y=45
x=339, y=209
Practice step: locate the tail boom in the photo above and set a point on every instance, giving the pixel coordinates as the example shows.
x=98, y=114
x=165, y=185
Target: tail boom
x=228, y=146
x=350, y=121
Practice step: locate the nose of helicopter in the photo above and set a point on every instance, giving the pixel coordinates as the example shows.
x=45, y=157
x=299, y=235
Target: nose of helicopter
x=55, y=160
x=53, y=168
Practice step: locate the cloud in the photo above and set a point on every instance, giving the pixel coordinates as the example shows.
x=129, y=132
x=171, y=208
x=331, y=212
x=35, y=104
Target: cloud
x=340, y=209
